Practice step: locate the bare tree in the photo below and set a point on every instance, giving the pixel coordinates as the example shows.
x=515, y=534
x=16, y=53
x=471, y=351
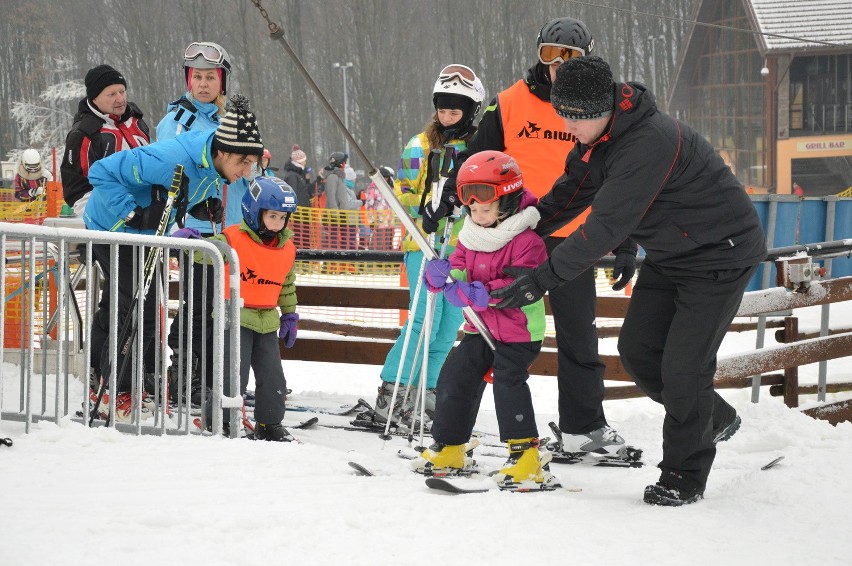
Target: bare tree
x=396, y=50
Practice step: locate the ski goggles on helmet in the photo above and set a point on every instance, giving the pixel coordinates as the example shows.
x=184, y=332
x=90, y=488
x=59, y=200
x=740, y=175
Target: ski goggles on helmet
x=32, y=167
x=550, y=53
x=209, y=53
x=464, y=74
x=485, y=193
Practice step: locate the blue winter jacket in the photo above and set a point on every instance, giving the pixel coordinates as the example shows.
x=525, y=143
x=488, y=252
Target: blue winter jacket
x=123, y=181
x=179, y=120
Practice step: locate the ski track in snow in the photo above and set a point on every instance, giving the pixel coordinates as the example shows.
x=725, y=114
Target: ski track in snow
x=76, y=496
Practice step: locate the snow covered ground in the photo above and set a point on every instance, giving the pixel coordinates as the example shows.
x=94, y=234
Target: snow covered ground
x=72, y=496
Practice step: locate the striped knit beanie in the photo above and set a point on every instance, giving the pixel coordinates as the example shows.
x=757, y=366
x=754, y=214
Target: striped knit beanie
x=237, y=131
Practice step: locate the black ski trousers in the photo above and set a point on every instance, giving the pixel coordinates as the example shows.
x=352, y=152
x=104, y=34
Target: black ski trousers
x=580, y=371
x=260, y=352
x=668, y=344
x=461, y=384
x=198, y=313
x=127, y=289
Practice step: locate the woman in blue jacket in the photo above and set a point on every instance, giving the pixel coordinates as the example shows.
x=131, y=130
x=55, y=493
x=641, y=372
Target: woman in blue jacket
x=207, y=69
x=128, y=196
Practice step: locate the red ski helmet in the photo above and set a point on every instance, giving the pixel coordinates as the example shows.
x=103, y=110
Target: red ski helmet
x=488, y=176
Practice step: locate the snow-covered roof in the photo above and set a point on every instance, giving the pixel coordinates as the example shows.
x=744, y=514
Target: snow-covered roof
x=802, y=24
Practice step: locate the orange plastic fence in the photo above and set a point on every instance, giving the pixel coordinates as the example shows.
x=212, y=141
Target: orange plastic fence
x=48, y=204
x=19, y=314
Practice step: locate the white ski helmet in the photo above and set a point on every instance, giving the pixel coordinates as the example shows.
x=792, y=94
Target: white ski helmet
x=459, y=80
x=30, y=165
x=207, y=55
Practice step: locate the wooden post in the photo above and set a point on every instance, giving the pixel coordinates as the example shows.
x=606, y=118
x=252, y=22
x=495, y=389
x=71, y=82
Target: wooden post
x=791, y=374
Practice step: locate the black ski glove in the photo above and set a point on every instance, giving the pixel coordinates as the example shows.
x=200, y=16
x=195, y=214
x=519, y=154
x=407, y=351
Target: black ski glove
x=147, y=218
x=182, y=201
x=624, y=268
x=529, y=286
x=448, y=203
x=210, y=209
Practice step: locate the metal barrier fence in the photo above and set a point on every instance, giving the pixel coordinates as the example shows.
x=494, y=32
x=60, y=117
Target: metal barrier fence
x=47, y=336
x=790, y=220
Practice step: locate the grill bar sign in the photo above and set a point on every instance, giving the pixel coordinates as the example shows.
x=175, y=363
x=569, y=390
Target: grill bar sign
x=823, y=145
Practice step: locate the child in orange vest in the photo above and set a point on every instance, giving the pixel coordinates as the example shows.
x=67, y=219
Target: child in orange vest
x=267, y=282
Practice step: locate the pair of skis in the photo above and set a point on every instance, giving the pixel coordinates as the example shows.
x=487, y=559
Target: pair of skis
x=448, y=486
x=250, y=428
x=432, y=483
x=339, y=411
x=439, y=484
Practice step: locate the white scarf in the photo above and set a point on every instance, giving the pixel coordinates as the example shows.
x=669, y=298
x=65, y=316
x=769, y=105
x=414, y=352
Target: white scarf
x=480, y=239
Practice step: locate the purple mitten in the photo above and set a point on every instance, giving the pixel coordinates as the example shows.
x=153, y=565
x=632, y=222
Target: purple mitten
x=436, y=273
x=289, y=328
x=187, y=233
x=463, y=294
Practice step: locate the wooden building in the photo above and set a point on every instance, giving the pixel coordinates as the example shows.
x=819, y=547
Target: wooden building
x=775, y=97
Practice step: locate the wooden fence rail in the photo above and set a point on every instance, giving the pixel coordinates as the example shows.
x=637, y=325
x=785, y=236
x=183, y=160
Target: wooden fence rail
x=359, y=345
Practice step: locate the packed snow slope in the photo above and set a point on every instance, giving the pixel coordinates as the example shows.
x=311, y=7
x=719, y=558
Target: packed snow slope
x=73, y=496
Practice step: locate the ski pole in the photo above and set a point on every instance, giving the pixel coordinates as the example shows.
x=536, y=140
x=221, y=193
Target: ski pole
x=276, y=33
x=432, y=298
x=130, y=325
x=434, y=166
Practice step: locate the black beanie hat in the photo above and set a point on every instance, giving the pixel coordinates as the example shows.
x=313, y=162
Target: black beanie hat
x=100, y=77
x=583, y=88
x=237, y=131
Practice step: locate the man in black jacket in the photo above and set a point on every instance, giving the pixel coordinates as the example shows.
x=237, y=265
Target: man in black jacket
x=655, y=180
x=104, y=124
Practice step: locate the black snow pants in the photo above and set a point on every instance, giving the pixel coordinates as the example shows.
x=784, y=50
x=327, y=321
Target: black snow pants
x=580, y=371
x=127, y=289
x=461, y=385
x=668, y=344
x=198, y=312
x=259, y=352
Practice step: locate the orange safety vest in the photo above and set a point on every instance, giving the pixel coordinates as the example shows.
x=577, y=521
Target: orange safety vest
x=534, y=134
x=262, y=268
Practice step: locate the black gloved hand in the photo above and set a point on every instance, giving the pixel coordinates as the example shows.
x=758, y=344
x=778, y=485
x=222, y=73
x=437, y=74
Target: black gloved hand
x=210, y=209
x=431, y=218
x=448, y=203
x=148, y=218
x=449, y=195
x=529, y=286
x=624, y=268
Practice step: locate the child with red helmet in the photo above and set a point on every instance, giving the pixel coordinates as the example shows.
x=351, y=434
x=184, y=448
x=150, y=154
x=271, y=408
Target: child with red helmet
x=498, y=234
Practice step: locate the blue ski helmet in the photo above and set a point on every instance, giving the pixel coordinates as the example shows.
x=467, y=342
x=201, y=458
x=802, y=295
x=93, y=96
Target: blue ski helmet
x=266, y=193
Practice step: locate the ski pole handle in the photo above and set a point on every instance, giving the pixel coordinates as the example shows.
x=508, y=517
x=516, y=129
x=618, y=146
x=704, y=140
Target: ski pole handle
x=435, y=174
x=449, y=160
x=449, y=163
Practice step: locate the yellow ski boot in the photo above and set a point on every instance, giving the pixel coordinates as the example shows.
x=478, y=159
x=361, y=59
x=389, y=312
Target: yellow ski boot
x=445, y=460
x=526, y=469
